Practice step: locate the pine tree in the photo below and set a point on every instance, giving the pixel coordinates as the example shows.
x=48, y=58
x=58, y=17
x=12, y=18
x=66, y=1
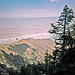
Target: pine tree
x=62, y=29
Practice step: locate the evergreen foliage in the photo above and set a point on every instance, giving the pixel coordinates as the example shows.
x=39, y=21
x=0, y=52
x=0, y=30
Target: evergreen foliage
x=65, y=29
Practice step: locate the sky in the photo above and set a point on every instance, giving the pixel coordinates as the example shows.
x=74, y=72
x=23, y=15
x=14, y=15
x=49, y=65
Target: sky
x=33, y=8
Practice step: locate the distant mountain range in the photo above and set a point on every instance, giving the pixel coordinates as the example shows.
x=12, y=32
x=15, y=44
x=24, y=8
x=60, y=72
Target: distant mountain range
x=25, y=51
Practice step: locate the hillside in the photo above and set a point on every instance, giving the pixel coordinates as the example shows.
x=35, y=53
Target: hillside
x=25, y=51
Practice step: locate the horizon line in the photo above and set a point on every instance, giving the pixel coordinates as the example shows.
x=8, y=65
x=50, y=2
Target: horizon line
x=27, y=18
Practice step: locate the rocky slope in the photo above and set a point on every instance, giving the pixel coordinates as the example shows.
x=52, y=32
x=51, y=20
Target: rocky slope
x=25, y=51
x=3, y=70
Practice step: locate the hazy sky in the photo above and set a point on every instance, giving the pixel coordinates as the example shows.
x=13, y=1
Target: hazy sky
x=33, y=8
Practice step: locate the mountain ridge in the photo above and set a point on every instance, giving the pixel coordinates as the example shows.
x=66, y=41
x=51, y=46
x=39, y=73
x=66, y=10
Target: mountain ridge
x=31, y=50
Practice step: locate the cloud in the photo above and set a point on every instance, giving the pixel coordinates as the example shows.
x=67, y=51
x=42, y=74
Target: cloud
x=54, y=0
x=29, y=13
x=18, y=10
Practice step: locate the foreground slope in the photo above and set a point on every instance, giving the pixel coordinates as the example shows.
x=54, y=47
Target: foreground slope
x=26, y=50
